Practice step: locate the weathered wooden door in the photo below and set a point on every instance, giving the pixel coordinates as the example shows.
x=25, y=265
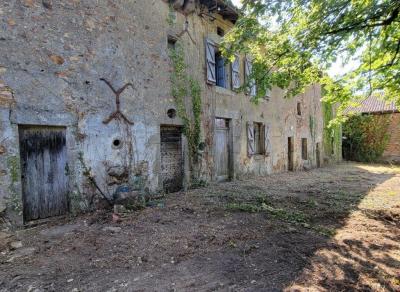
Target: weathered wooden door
x=171, y=158
x=44, y=171
x=290, y=154
x=221, y=149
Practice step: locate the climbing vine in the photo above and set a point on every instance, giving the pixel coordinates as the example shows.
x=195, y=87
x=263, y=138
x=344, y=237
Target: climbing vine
x=183, y=86
x=366, y=137
x=332, y=132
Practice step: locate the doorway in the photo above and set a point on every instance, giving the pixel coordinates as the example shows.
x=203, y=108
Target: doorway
x=318, y=154
x=171, y=158
x=222, y=150
x=290, y=154
x=44, y=171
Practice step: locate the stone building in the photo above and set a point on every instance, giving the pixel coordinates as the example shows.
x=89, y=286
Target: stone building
x=86, y=110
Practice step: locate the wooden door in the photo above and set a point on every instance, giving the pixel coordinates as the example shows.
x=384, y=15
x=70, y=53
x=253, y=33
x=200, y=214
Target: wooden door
x=44, y=171
x=318, y=154
x=290, y=154
x=221, y=146
x=171, y=158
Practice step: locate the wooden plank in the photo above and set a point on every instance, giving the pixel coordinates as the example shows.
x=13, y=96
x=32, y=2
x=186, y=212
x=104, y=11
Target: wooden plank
x=221, y=146
x=43, y=168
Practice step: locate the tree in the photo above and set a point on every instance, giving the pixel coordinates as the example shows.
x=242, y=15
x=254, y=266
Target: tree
x=293, y=41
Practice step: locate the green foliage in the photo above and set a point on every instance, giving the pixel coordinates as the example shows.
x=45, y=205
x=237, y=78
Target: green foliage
x=366, y=137
x=292, y=41
x=183, y=87
x=332, y=133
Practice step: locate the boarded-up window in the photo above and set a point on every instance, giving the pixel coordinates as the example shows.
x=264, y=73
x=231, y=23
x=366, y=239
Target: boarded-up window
x=236, y=73
x=304, y=152
x=250, y=139
x=210, y=62
x=251, y=84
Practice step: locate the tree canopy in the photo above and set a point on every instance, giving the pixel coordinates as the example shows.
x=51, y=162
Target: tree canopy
x=292, y=42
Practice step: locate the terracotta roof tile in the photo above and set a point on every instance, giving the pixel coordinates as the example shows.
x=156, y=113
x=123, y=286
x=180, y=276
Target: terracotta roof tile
x=373, y=104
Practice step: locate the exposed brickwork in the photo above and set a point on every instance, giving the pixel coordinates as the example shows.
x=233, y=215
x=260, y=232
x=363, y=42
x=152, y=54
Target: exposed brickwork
x=392, y=151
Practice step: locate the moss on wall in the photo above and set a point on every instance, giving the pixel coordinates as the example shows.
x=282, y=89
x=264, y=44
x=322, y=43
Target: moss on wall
x=14, y=198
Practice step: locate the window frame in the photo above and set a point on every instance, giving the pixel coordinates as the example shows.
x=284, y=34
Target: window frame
x=259, y=139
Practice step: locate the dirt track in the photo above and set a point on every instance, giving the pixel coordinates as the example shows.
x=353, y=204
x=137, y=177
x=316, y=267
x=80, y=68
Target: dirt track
x=330, y=229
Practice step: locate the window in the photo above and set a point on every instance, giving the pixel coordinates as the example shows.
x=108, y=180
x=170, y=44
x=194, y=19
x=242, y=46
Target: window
x=299, y=108
x=258, y=138
x=220, y=32
x=220, y=69
x=304, y=153
x=171, y=43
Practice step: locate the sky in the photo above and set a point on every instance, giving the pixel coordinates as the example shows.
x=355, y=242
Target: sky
x=236, y=2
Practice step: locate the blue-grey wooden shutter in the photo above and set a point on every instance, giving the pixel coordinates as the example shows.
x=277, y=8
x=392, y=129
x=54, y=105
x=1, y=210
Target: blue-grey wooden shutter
x=250, y=139
x=248, y=65
x=236, y=73
x=210, y=62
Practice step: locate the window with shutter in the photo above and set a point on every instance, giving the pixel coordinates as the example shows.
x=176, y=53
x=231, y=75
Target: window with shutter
x=248, y=68
x=236, y=73
x=250, y=139
x=210, y=62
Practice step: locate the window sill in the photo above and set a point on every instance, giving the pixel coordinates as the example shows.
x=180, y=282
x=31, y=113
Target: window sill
x=259, y=156
x=223, y=90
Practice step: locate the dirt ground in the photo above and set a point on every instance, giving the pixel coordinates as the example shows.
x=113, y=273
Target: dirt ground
x=329, y=229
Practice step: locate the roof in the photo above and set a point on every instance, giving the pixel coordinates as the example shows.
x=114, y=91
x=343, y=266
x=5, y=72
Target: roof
x=373, y=104
x=223, y=7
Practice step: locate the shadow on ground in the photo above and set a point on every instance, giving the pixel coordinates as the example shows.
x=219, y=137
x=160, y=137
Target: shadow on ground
x=332, y=229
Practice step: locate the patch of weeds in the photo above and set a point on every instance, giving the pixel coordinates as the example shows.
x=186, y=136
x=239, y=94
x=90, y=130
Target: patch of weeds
x=232, y=244
x=243, y=207
x=292, y=217
x=198, y=183
x=329, y=232
x=262, y=199
x=311, y=203
x=282, y=214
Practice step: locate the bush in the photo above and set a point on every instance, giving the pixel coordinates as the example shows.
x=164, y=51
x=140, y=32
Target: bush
x=366, y=137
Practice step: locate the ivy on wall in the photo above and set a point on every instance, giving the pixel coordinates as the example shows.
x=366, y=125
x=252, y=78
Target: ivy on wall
x=332, y=134
x=182, y=87
x=366, y=137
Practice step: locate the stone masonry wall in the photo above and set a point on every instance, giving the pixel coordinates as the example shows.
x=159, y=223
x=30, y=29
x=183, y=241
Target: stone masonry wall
x=52, y=56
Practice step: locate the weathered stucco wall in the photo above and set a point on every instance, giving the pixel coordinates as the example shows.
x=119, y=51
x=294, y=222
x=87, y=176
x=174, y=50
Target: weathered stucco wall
x=52, y=56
